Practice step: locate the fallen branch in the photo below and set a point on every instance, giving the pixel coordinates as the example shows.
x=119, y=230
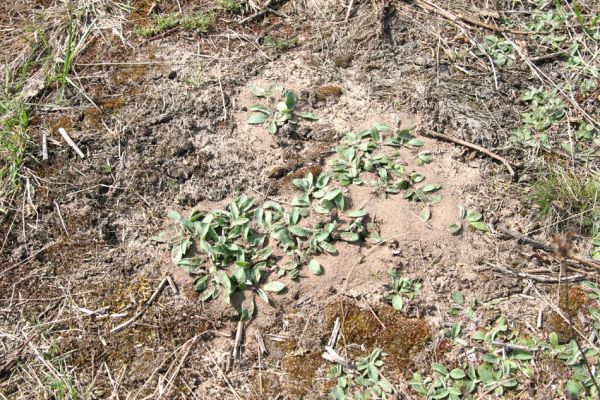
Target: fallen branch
x=539, y=245
x=480, y=149
x=152, y=299
x=537, y=278
x=428, y=6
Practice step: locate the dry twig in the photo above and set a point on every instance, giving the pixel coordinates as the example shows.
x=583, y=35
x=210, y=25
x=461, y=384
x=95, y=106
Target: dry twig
x=480, y=149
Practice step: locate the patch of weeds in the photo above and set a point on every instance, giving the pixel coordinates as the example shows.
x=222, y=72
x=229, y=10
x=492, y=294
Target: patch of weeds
x=401, y=289
x=14, y=121
x=357, y=154
x=230, y=5
x=546, y=24
x=273, y=42
x=545, y=110
x=500, y=50
x=496, y=372
x=571, y=199
x=458, y=306
x=285, y=109
x=60, y=384
x=362, y=383
x=234, y=242
x=199, y=21
x=472, y=218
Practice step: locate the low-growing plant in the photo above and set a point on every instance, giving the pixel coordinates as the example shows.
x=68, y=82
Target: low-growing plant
x=362, y=383
x=236, y=243
x=285, y=109
x=272, y=42
x=199, y=21
x=500, y=50
x=230, y=5
x=545, y=110
x=472, y=218
x=401, y=289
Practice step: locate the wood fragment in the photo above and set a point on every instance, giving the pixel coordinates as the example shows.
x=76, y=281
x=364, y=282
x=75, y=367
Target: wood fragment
x=540, y=318
x=334, y=333
x=483, y=150
x=237, y=345
x=152, y=299
x=537, y=278
x=44, y=147
x=70, y=142
x=510, y=346
x=332, y=356
x=428, y=6
x=350, y=6
x=258, y=14
x=526, y=239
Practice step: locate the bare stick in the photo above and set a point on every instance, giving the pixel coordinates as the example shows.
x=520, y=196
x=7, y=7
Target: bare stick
x=62, y=221
x=349, y=10
x=44, y=147
x=334, y=333
x=261, y=344
x=456, y=17
x=70, y=142
x=260, y=13
x=483, y=150
x=152, y=299
x=526, y=239
x=237, y=346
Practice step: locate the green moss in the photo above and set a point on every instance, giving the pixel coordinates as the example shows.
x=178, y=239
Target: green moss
x=401, y=339
x=230, y=5
x=200, y=21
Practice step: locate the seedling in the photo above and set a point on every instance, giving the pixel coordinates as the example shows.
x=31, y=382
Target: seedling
x=500, y=50
x=401, y=289
x=285, y=111
x=363, y=383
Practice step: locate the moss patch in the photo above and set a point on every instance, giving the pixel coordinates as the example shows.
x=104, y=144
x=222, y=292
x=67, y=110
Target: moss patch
x=326, y=91
x=402, y=339
x=576, y=300
x=302, y=370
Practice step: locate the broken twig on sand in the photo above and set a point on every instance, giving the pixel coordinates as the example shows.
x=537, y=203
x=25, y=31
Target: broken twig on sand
x=483, y=150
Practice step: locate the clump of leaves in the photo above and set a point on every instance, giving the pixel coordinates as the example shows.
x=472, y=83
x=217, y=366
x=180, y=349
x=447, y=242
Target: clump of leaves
x=401, y=289
x=285, y=109
x=500, y=50
x=362, y=382
x=545, y=110
x=357, y=155
x=499, y=369
x=473, y=218
x=236, y=242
